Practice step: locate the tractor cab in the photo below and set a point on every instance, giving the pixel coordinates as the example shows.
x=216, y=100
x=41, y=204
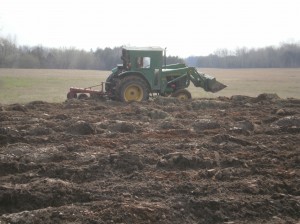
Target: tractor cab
x=145, y=61
x=137, y=58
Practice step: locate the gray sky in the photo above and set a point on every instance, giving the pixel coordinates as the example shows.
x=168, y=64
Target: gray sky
x=189, y=27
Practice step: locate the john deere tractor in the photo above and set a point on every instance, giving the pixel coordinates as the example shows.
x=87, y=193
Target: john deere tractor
x=144, y=73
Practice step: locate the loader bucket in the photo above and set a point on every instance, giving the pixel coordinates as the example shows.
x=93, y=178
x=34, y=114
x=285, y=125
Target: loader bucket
x=214, y=86
x=211, y=84
x=205, y=81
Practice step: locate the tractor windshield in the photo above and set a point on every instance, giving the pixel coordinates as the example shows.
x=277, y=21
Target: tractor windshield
x=143, y=62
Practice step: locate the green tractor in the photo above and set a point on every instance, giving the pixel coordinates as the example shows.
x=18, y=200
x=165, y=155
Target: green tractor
x=143, y=73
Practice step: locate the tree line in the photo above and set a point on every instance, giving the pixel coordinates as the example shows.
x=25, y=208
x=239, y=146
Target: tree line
x=13, y=56
x=287, y=55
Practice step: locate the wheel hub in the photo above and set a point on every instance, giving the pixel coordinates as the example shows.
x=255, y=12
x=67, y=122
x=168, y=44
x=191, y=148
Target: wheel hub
x=182, y=97
x=133, y=93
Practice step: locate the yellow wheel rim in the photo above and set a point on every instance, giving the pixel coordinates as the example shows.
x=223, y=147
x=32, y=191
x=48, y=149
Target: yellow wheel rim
x=133, y=93
x=182, y=97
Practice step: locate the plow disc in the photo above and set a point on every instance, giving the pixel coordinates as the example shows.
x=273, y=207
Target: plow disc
x=84, y=93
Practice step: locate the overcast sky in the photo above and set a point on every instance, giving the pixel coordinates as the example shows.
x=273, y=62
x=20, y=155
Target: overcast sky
x=185, y=27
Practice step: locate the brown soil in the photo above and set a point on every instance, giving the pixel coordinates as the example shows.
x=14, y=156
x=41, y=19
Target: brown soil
x=225, y=160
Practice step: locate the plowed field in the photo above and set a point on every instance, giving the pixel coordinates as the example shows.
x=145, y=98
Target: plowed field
x=222, y=160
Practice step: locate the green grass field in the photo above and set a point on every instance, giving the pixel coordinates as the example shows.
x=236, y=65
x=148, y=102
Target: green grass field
x=25, y=85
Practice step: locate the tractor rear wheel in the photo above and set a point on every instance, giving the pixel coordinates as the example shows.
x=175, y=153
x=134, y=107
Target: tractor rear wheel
x=182, y=94
x=133, y=88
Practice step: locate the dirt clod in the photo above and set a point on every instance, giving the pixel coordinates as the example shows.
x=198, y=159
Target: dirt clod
x=81, y=128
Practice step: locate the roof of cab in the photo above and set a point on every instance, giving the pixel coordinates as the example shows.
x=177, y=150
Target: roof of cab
x=143, y=48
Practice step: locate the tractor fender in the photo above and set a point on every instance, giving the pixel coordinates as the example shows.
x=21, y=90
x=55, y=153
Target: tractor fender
x=136, y=74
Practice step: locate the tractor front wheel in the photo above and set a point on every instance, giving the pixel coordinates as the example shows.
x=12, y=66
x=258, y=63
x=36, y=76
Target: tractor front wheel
x=133, y=88
x=182, y=94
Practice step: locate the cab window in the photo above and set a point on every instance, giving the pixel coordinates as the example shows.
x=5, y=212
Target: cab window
x=143, y=62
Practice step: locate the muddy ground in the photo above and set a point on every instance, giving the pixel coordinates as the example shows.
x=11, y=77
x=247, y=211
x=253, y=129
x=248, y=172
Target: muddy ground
x=225, y=160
